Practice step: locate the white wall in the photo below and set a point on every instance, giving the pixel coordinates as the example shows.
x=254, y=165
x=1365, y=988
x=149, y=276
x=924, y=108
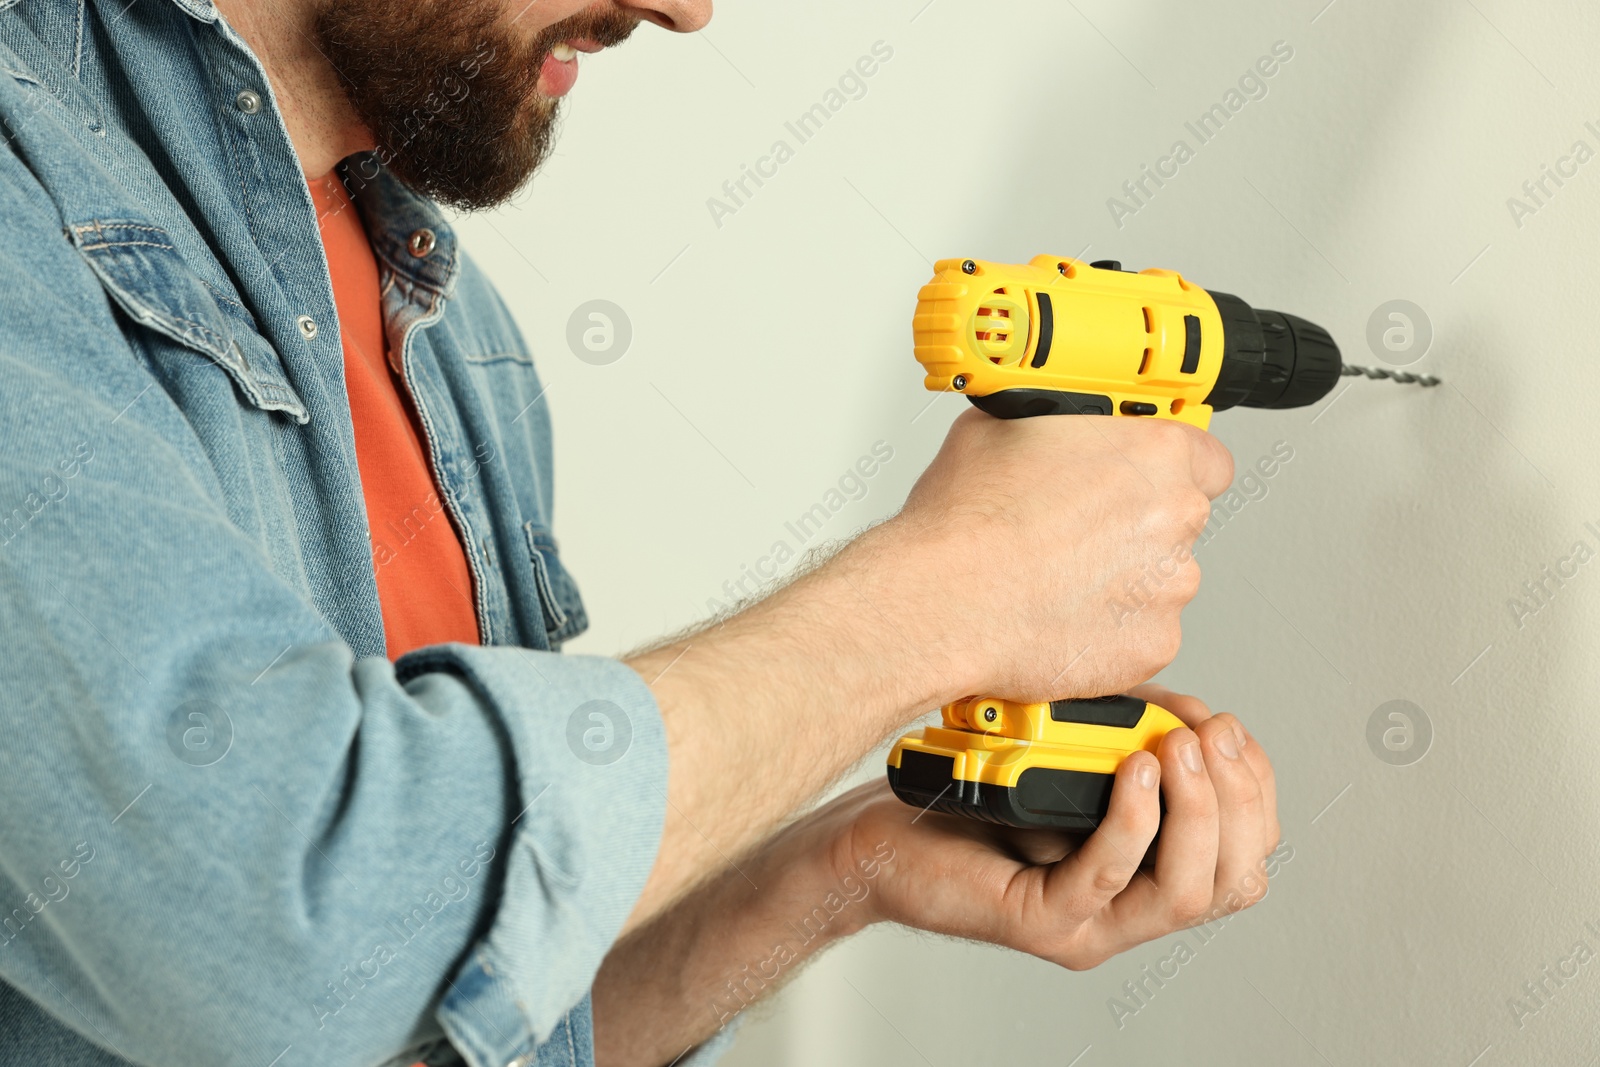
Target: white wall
x=775, y=349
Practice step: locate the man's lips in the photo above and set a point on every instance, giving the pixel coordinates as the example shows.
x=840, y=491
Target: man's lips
x=558, y=74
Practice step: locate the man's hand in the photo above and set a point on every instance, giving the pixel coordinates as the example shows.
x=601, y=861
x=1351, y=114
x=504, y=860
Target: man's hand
x=1077, y=905
x=1060, y=550
x=866, y=857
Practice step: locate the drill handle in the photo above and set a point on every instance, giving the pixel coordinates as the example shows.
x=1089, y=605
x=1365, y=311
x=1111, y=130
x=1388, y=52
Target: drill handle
x=1026, y=403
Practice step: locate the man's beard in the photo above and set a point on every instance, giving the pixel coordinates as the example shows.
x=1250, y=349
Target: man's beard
x=448, y=89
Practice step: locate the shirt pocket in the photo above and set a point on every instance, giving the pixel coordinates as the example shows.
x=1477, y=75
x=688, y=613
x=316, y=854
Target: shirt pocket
x=144, y=274
x=564, y=616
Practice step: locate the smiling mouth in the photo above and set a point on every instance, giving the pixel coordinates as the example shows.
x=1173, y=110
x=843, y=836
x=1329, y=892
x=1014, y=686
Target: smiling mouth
x=559, y=71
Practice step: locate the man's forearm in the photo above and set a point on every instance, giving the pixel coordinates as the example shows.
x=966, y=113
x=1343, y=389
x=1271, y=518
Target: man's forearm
x=677, y=980
x=765, y=709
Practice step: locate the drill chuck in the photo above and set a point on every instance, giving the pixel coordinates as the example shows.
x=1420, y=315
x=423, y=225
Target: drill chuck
x=1270, y=359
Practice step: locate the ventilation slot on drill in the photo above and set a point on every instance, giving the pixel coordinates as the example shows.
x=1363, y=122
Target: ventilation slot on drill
x=1001, y=333
x=1149, y=328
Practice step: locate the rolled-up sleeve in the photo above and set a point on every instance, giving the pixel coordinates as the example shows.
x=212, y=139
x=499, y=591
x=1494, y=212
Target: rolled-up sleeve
x=571, y=1044
x=593, y=790
x=347, y=857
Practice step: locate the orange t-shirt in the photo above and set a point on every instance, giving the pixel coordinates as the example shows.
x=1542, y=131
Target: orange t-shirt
x=424, y=585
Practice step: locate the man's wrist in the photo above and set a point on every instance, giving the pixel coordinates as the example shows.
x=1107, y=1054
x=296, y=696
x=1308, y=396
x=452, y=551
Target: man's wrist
x=824, y=879
x=736, y=939
x=878, y=607
x=858, y=864
x=859, y=627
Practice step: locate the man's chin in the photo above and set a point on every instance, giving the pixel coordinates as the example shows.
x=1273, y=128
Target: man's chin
x=454, y=106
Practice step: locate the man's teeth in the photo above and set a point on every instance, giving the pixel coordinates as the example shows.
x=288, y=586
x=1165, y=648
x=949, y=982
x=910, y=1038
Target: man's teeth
x=564, y=53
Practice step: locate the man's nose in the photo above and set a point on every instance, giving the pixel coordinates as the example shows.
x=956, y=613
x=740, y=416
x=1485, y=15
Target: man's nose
x=680, y=16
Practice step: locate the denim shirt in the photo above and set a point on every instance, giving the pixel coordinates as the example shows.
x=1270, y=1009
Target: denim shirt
x=233, y=832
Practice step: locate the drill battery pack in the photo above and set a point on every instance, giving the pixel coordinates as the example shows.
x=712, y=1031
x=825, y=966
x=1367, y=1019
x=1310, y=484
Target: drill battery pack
x=1041, y=766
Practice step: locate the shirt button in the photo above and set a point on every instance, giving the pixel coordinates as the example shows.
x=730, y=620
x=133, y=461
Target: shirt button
x=308, y=327
x=248, y=101
x=421, y=243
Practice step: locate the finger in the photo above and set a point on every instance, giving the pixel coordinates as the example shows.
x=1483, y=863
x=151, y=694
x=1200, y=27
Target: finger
x=1180, y=893
x=1192, y=710
x=1209, y=461
x=1241, y=824
x=1261, y=766
x=1081, y=885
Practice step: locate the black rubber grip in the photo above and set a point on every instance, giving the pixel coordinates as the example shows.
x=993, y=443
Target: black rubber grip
x=1047, y=330
x=1026, y=403
x=1191, y=344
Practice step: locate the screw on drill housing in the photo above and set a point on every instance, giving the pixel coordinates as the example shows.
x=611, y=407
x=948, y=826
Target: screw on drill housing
x=969, y=267
x=959, y=382
x=1403, y=377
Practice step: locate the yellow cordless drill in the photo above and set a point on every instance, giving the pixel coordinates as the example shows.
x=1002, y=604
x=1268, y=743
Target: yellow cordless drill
x=1058, y=337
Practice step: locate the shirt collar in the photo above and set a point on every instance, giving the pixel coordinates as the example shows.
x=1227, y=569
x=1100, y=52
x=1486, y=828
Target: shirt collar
x=398, y=221
x=204, y=10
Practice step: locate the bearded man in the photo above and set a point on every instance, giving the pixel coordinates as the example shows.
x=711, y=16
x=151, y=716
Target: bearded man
x=295, y=770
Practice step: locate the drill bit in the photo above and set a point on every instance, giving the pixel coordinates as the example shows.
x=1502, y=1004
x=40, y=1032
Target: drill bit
x=1404, y=377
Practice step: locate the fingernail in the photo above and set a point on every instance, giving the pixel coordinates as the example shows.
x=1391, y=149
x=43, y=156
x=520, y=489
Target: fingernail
x=1189, y=754
x=1228, y=745
x=1147, y=776
x=1238, y=731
